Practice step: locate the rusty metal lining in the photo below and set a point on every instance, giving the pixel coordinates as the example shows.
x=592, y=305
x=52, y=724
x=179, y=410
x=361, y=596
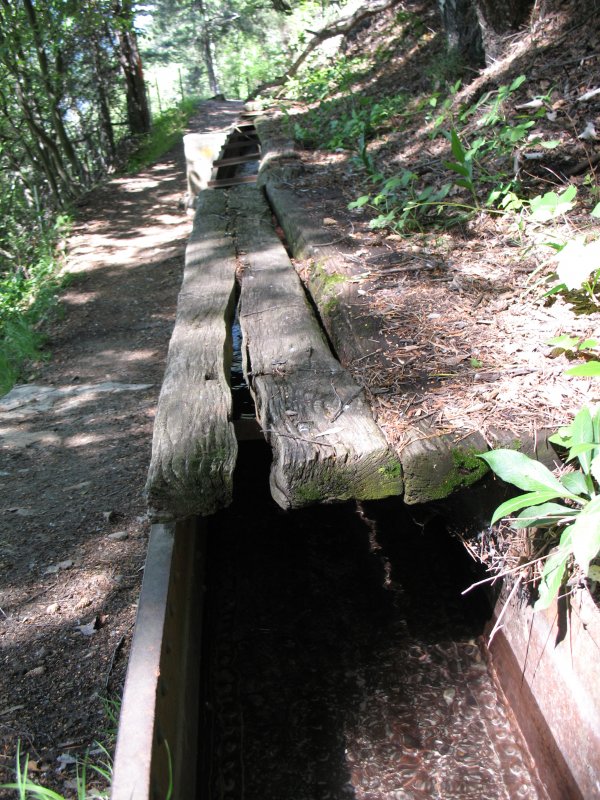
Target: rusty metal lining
x=156, y=746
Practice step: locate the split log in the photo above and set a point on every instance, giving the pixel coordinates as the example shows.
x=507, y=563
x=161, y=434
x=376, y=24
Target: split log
x=194, y=447
x=326, y=444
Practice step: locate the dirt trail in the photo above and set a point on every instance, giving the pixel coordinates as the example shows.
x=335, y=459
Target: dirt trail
x=74, y=451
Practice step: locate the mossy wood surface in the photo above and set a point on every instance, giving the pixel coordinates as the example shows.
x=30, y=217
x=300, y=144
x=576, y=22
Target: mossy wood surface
x=194, y=447
x=433, y=466
x=326, y=445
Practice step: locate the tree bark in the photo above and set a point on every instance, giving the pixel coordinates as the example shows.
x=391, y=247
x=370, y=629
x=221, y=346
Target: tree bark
x=204, y=45
x=138, y=110
x=475, y=28
x=463, y=31
x=103, y=103
x=53, y=86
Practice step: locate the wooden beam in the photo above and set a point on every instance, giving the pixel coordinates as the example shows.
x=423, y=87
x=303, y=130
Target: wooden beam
x=226, y=162
x=194, y=447
x=326, y=445
x=236, y=180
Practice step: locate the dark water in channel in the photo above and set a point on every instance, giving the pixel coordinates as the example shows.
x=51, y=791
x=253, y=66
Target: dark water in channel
x=341, y=660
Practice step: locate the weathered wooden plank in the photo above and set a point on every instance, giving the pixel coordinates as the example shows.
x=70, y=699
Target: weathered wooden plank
x=227, y=162
x=326, y=445
x=194, y=447
x=235, y=180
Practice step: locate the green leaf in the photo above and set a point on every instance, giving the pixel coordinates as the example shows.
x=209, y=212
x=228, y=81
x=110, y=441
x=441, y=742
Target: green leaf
x=582, y=433
x=595, y=468
x=359, y=202
x=574, y=482
x=460, y=168
x=517, y=82
x=553, y=574
x=586, y=534
x=588, y=344
x=577, y=261
x=590, y=369
x=458, y=150
x=564, y=341
x=551, y=145
x=545, y=515
x=550, y=205
x=524, y=472
x=521, y=501
x=596, y=210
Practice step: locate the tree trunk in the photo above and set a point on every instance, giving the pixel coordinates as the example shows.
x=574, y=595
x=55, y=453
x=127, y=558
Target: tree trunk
x=504, y=16
x=53, y=86
x=103, y=103
x=475, y=28
x=204, y=44
x=496, y=19
x=138, y=110
x=463, y=32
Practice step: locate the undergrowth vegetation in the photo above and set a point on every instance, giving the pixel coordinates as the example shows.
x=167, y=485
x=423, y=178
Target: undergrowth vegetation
x=31, y=253
x=91, y=774
x=477, y=156
x=167, y=129
x=30, y=257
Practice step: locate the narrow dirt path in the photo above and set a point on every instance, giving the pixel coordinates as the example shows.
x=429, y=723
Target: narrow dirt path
x=74, y=451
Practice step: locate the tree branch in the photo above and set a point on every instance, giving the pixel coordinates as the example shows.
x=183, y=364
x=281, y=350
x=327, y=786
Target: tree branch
x=339, y=28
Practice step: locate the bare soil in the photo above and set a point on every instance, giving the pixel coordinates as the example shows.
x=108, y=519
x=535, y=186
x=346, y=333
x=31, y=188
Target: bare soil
x=74, y=452
x=451, y=326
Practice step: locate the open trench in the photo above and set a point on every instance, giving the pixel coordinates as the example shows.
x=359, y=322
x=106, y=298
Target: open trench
x=341, y=661
x=334, y=655
x=340, y=658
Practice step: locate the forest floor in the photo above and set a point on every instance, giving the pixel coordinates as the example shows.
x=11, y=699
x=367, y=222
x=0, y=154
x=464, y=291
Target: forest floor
x=462, y=331
x=75, y=447
x=451, y=321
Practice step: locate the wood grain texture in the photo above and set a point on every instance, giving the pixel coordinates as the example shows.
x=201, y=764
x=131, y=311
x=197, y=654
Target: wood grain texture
x=326, y=445
x=194, y=447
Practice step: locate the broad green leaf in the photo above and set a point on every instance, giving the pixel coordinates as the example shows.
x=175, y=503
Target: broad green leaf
x=577, y=261
x=524, y=472
x=393, y=183
x=543, y=516
x=564, y=341
x=582, y=433
x=589, y=369
x=562, y=436
x=596, y=210
x=458, y=150
x=581, y=449
x=552, y=578
x=588, y=344
x=595, y=468
x=550, y=145
x=521, y=501
x=585, y=533
x=574, y=482
x=460, y=168
x=359, y=202
x=550, y=205
x=517, y=82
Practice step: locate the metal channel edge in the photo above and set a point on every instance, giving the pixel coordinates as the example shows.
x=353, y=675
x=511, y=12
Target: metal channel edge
x=157, y=738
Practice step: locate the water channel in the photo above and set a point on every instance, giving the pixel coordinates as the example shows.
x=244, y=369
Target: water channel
x=341, y=661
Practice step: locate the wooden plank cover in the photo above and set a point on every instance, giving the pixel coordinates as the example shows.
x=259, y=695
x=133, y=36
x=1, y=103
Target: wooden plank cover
x=326, y=445
x=194, y=447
